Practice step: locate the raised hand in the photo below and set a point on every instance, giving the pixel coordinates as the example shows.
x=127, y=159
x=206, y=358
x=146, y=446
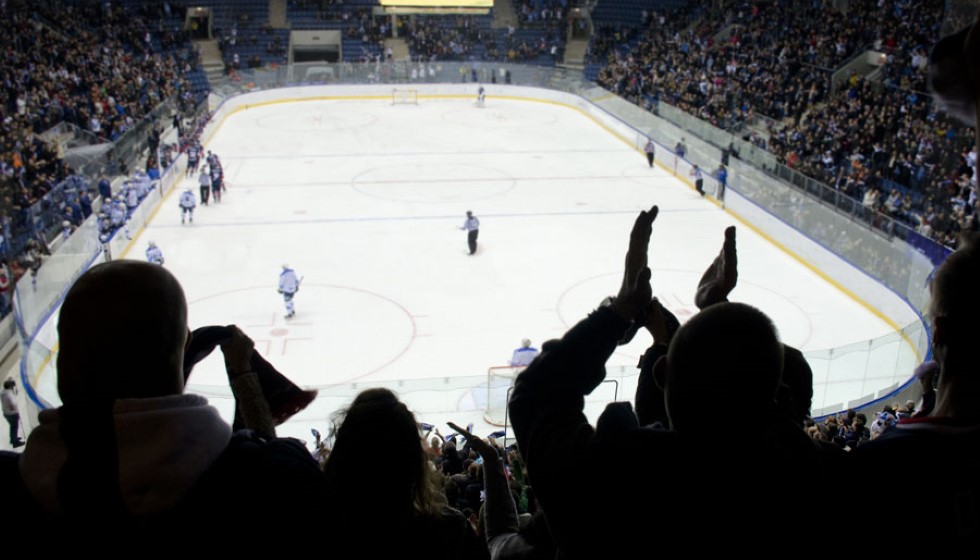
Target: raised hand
x=483, y=448
x=635, y=292
x=721, y=276
x=237, y=350
x=661, y=323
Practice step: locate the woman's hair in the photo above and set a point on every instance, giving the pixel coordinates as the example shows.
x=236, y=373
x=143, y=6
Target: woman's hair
x=378, y=457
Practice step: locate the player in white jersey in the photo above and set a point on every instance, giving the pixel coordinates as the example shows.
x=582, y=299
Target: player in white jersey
x=187, y=204
x=481, y=96
x=154, y=254
x=132, y=196
x=288, y=286
x=524, y=355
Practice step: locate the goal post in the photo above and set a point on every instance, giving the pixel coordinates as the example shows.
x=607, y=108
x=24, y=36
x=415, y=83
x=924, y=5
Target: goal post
x=500, y=381
x=404, y=97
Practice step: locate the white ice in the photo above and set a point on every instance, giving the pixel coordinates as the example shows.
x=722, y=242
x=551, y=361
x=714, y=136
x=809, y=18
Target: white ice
x=365, y=201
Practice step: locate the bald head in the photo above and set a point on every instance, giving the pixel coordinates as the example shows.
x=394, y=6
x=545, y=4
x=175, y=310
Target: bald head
x=122, y=330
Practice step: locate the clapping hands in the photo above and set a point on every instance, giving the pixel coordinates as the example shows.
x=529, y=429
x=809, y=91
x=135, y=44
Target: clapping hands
x=635, y=292
x=721, y=276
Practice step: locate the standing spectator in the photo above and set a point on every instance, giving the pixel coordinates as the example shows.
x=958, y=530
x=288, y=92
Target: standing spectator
x=129, y=448
x=8, y=398
x=943, y=446
x=472, y=227
x=651, y=151
x=695, y=473
x=524, y=355
x=390, y=506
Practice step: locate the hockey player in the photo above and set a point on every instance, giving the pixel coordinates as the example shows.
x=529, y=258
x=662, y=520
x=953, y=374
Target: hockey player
x=205, y=183
x=288, y=286
x=104, y=225
x=117, y=213
x=154, y=254
x=132, y=196
x=216, y=182
x=481, y=96
x=187, y=204
x=66, y=230
x=193, y=158
x=524, y=355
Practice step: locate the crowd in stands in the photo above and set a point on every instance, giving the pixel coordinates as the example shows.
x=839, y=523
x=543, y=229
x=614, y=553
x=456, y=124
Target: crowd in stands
x=880, y=134
x=96, y=68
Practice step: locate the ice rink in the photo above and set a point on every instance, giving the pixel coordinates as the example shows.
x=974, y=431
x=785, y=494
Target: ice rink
x=365, y=200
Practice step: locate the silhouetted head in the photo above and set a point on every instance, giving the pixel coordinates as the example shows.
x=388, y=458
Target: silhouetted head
x=954, y=308
x=378, y=455
x=729, y=354
x=122, y=331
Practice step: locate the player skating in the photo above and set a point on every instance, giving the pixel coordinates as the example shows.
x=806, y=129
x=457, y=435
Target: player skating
x=187, y=204
x=288, y=286
x=154, y=254
x=481, y=96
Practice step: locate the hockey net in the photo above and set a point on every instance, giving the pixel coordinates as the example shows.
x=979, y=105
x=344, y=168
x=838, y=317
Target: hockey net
x=500, y=380
x=404, y=97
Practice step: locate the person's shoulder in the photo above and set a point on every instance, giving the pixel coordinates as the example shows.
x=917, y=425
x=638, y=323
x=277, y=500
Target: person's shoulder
x=276, y=475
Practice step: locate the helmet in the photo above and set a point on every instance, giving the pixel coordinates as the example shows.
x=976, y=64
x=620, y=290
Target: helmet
x=526, y=343
x=285, y=266
x=153, y=243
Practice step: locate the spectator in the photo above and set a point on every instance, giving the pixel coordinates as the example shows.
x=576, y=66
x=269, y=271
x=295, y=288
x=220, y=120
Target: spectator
x=504, y=534
x=389, y=504
x=129, y=447
x=694, y=474
x=944, y=446
x=11, y=413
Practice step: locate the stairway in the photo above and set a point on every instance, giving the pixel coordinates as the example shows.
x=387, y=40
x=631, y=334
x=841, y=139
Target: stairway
x=399, y=48
x=277, y=14
x=575, y=54
x=211, y=61
x=504, y=14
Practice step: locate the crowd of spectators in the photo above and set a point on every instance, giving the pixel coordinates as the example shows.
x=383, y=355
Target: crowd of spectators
x=389, y=485
x=467, y=38
x=878, y=133
x=96, y=68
